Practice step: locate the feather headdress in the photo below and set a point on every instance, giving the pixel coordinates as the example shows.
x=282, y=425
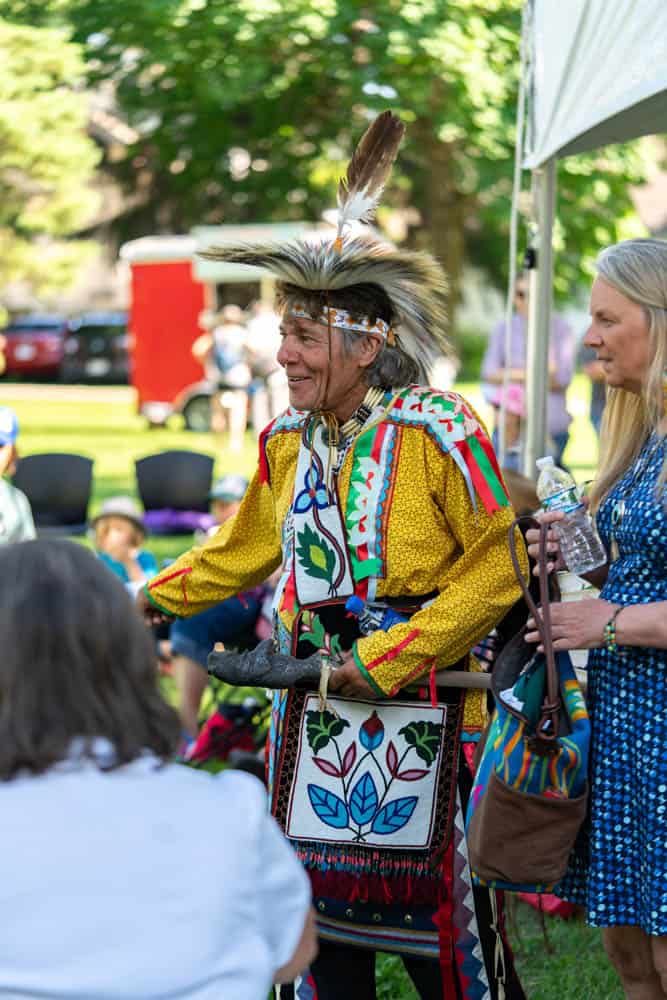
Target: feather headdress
x=413, y=282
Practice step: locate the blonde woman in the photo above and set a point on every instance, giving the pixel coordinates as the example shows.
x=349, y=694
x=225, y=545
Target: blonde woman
x=619, y=868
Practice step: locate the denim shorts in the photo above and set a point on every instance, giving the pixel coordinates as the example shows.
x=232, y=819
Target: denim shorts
x=232, y=622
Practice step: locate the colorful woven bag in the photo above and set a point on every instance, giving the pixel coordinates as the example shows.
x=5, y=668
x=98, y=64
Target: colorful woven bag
x=530, y=789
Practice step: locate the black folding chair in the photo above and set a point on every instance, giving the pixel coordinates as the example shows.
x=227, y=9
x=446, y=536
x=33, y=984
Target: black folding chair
x=58, y=486
x=175, y=481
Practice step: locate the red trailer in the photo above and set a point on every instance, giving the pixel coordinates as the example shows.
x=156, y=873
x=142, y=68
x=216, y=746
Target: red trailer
x=166, y=307
x=171, y=291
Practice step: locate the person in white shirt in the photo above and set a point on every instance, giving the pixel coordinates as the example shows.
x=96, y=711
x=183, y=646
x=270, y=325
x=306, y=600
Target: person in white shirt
x=123, y=875
x=16, y=522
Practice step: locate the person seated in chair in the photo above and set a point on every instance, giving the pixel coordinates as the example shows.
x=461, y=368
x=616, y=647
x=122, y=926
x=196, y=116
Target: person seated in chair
x=16, y=523
x=118, y=537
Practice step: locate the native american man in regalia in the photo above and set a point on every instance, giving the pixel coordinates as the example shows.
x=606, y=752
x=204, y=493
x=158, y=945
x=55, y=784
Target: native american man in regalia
x=371, y=485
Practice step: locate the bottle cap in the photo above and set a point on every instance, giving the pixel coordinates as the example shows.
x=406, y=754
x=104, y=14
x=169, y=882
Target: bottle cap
x=354, y=605
x=546, y=460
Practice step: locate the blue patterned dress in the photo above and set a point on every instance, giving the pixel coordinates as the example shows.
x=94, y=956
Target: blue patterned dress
x=619, y=868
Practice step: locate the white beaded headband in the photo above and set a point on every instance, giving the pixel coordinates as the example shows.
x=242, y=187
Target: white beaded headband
x=342, y=318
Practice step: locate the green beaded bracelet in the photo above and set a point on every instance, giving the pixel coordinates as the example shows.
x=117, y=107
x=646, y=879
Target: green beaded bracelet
x=609, y=633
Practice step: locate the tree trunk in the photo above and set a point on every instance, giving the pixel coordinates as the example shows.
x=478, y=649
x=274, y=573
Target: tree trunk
x=446, y=218
x=443, y=206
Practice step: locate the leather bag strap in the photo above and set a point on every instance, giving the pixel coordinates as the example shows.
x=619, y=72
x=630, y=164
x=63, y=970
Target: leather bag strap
x=547, y=727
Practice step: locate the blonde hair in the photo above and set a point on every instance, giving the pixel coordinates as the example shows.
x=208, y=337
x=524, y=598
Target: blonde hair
x=638, y=270
x=101, y=530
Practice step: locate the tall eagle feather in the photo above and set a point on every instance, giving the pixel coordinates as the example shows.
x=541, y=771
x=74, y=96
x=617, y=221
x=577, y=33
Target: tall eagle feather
x=360, y=190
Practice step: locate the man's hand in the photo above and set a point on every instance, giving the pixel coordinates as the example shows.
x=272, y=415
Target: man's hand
x=348, y=681
x=148, y=611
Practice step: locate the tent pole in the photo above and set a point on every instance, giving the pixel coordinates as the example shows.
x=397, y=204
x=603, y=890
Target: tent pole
x=514, y=227
x=539, y=317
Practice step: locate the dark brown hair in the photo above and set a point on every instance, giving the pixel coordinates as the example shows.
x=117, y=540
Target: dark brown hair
x=76, y=661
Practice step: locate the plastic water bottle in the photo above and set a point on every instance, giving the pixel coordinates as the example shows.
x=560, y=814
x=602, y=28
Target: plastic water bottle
x=580, y=544
x=371, y=619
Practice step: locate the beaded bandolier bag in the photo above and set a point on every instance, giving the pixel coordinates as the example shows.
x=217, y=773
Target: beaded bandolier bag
x=399, y=505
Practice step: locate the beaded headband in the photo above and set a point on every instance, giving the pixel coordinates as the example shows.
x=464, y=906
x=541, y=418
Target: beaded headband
x=342, y=318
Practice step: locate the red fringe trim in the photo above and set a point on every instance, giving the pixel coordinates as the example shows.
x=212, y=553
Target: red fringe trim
x=431, y=686
x=382, y=889
x=443, y=920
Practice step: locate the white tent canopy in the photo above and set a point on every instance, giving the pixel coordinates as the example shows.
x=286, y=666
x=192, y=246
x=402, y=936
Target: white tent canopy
x=596, y=74
x=599, y=74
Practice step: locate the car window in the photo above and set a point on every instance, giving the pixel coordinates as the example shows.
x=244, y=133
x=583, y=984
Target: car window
x=33, y=328
x=116, y=330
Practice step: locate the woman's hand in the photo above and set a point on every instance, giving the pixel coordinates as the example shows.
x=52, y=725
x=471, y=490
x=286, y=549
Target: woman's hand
x=554, y=558
x=555, y=561
x=348, y=681
x=575, y=624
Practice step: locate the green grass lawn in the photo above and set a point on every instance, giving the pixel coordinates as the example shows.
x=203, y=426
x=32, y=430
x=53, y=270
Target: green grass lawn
x=110, y=432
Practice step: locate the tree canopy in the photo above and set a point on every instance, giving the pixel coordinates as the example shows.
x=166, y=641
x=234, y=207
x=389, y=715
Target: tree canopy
x=46, y=158
x=248, y=111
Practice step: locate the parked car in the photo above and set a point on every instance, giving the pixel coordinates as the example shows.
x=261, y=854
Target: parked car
x=35, y=346
x=96, y=348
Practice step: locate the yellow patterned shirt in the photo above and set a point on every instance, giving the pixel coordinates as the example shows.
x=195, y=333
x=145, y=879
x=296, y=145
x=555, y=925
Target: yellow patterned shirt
x=442, y=519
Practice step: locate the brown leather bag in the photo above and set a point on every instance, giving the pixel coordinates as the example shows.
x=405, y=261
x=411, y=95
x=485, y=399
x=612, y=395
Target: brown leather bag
x=530, y=790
